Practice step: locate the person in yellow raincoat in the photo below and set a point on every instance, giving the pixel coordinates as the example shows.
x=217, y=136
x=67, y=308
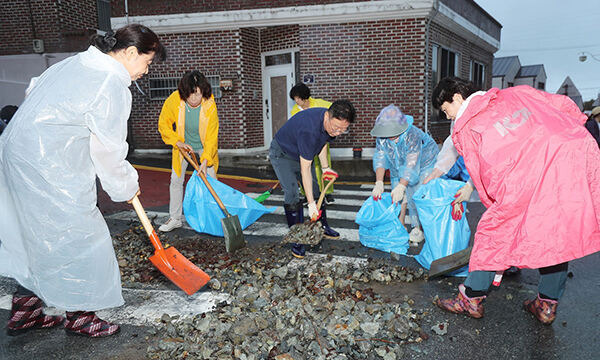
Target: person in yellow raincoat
x=300, y=93
x=188, y=121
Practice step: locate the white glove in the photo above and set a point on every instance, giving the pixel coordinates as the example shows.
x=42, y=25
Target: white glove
x=377, y=190
x=463, y=194
x=313, y=213
x=398, y=193
x=415, y=236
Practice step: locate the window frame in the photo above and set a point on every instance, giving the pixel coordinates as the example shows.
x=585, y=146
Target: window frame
x=472, y=65
x=173, y=81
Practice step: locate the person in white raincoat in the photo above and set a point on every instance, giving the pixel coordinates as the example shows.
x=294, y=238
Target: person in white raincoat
x=70, y=129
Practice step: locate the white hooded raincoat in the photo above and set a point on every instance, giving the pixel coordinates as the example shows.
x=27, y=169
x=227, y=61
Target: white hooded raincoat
x=71, y=128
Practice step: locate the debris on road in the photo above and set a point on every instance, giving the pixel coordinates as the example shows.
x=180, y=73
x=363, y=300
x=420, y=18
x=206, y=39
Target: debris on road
x=309, y=309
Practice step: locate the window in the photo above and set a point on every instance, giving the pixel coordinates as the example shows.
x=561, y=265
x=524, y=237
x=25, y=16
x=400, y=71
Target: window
x=444, y=63
x=103, y=7
x=214, y=81
x=278, y=59
x=477, y=73
x=542, y=86
x=162, y=87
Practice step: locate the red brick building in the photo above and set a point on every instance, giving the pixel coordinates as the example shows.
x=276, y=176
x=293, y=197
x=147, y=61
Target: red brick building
x=371, y=52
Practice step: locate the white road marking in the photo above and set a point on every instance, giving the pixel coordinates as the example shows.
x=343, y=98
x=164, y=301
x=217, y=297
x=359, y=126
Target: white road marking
x=143, y=307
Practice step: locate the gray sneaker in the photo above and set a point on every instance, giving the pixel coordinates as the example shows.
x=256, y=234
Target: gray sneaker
x=171, y=224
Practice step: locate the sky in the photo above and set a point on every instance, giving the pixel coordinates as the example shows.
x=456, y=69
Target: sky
x=553, y=33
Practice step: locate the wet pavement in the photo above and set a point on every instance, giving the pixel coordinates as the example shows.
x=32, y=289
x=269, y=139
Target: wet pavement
x=505, y=332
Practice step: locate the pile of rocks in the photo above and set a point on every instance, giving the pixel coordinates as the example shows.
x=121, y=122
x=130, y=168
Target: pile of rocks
x=279, y=309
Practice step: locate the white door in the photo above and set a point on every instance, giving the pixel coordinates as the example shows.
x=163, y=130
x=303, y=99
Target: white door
x=278, y=79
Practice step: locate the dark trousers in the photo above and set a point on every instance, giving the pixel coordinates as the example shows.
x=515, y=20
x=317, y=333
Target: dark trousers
x=288, y=173
x=551, y=284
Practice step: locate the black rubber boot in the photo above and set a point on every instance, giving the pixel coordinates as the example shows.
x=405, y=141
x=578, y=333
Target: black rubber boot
x=328, y=232
x=295, y=215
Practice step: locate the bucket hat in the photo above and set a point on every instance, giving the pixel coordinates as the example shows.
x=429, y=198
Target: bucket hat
x=595, y=111
x=391, y=122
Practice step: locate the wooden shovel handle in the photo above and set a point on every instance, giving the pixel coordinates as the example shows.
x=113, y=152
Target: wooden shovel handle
x=141, y=213
x=194, y=163
x=322, y=196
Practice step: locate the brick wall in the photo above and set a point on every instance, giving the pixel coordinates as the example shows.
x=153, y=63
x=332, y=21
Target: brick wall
x=279, y=38
x=160, y=7
x=467, y=52
x=373, y=64
x=213, y=53
x=251, y=88
x=65, y=26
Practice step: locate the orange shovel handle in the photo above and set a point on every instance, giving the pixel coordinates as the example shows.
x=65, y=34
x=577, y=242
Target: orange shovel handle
x=146, y=223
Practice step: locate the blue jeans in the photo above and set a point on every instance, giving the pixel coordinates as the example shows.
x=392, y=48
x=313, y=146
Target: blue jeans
x=288, y=173
x=552, y=280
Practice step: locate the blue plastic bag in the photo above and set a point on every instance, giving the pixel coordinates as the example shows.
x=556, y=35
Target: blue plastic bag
x=458, y=171
x=443, y=236
x=379, y=226
x=203, y=213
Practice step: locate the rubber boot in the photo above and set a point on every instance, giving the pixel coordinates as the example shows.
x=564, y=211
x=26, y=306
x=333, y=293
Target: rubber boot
x=86, y=323
x=26, y=314
x=463, y=304
x=328, y=232
x=543, y=309
x=295, y=215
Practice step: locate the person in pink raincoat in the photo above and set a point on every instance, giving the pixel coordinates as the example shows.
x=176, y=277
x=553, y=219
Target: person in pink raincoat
x=537, y=171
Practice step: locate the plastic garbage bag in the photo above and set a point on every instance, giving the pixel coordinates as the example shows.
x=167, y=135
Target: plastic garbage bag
x=458, y=171
x=203, y=213
x=379, y=226
x=443, y=236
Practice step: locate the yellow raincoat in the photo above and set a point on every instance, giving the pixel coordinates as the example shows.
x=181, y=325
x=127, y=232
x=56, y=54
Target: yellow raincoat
x=173, y=112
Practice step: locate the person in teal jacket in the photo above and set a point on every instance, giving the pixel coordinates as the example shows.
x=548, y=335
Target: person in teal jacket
x=409, y=154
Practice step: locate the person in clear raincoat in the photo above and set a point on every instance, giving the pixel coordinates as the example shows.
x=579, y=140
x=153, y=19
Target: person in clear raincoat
x=409, y=154
x=70, y=129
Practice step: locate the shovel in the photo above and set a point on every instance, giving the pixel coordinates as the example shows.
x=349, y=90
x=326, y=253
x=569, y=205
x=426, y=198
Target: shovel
x=232, y=229
x=264, y=196
x=309, y=233
x=169, y=261
x=450, y=263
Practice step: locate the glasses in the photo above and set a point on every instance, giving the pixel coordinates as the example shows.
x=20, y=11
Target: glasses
x=338, y=130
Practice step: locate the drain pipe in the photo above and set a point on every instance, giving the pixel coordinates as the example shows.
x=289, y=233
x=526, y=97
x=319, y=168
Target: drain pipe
x=126, y=12
x=427, y=72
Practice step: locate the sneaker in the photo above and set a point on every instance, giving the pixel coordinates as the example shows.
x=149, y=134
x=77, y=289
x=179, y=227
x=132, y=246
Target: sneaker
x=171, y=224
x=463, y=304
x=415, y=237
x=86, y=323
x=543, y=309
x=298, y=251
x=329, y=233
x=26, y=314
x=329, y=199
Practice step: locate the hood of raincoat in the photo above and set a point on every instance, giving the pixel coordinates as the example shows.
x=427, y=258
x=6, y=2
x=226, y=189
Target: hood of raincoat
x=537, y=171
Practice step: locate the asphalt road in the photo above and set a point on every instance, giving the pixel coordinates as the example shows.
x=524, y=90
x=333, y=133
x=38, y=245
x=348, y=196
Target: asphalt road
x=505, y=332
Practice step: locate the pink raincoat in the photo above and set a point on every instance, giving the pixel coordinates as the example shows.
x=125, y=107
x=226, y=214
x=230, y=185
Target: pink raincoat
x=537, y=170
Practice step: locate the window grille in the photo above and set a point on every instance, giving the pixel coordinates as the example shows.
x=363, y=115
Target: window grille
x=103, y=14
x=214, y=81
x=161, y=88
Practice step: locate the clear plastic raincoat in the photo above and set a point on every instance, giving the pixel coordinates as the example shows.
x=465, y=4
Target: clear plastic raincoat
x=411, y=157
x=71, y=128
